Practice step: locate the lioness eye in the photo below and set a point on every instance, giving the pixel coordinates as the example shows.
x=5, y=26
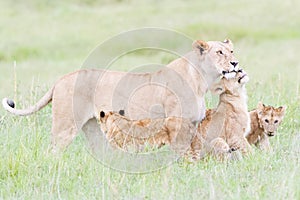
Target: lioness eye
x=276, y=121
x=220, y=52
x=267, y=121
x=231, y=51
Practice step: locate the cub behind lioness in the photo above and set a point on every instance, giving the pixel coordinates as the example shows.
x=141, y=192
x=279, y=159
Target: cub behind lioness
x=223, y=130
x=264, y=123
x=126, y=134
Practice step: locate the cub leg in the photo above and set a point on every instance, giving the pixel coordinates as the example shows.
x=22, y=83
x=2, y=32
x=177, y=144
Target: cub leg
x=241, y=144
x=219, y=149
x=264, y=144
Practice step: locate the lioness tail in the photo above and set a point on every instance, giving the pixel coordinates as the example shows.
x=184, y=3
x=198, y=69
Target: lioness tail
x=9, y=105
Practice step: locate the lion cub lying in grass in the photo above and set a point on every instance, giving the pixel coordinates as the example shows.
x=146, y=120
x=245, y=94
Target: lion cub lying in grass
x=264, y=123
x=127, y=134
x=223, y=130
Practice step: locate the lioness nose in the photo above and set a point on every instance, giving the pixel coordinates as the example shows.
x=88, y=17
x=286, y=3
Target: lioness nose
x=234, y=63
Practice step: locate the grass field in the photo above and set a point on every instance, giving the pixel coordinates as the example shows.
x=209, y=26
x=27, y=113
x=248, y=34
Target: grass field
x=47, y=39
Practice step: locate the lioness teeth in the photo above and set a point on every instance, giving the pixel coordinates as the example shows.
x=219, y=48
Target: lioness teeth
x=229, y=75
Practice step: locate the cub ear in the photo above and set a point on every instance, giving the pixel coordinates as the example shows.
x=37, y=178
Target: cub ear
x=102, y=114
x=217, y=89
x=122, y=112
x=200, y=46
x=260, y=107
x=281, y=109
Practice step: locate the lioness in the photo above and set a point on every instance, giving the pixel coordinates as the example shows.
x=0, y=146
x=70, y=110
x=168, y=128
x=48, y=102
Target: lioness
x=225, y=127
x=264, y=123
x=177, y=90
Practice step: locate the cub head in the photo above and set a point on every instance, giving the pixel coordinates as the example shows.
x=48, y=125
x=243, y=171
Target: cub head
x=270, y=118
x=217, y=57
x=103, y=116
x=234, y=86
x=105, y=119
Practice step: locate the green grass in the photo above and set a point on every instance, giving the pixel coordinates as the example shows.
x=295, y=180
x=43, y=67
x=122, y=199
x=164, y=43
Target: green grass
x=48, y=39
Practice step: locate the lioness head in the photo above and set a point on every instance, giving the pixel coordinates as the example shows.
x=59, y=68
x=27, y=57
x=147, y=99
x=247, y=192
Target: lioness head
x=270, y=118
x=232, y=86
x=217, y=55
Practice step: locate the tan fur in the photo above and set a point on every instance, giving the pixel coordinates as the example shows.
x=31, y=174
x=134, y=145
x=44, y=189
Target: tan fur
x=136, y=134
x=264, y=123
x=78, y=97
x=224, y=128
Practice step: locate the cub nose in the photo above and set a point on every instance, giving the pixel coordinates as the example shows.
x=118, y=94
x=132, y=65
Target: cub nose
x=234, y=63
x=271, y=133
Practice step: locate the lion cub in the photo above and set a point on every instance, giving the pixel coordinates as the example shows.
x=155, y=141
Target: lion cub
x=124, y=133
x=264, y=123
x=223, y=129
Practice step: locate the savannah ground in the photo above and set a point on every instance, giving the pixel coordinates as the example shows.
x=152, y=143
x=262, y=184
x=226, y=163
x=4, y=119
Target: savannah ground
x=49, y=39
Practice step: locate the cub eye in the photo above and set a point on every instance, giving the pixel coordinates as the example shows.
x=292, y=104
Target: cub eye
x=231, y=51
x=220, y=52
x=276, y=121
x=267, y=121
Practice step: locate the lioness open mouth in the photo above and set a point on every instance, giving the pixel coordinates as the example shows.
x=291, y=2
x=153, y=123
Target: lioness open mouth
x=227, y=72
x=232, y=74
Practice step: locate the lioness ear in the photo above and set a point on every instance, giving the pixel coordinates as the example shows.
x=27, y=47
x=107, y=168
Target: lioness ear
x=200, y=46
x=229, y=43
x=102, y=114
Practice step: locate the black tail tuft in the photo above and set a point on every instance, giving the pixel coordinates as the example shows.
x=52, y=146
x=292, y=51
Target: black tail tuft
x=11, y=103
